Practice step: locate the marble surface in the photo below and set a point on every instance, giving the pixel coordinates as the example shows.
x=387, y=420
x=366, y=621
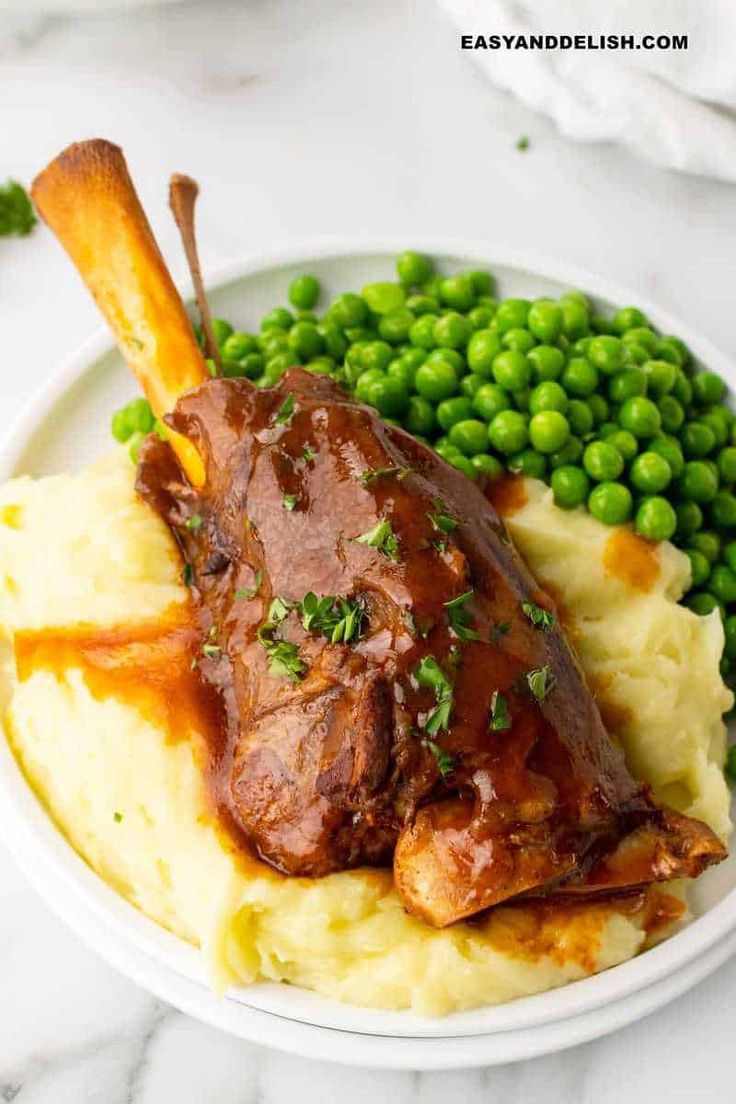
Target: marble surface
x=306, y=119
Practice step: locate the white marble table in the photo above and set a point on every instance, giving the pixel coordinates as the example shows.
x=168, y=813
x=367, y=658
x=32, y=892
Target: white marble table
x=299, y=120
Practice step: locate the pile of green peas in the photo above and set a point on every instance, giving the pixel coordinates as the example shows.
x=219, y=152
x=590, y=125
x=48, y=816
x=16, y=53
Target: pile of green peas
x=611, y=414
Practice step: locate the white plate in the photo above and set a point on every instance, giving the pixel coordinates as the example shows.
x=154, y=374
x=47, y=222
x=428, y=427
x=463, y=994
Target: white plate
x=67, y=425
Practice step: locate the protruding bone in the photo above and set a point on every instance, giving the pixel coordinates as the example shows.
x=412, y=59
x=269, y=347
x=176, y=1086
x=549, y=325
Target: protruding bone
x=88, y=199
x=183, y=192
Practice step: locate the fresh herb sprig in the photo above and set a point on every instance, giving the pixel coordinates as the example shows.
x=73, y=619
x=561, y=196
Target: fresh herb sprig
x=445, y=762
x=372, y=474
x=16, y=210
x=499, y=720
x=540, y=681
x=283, y=656
x=382, y=537
x=339, y=620
x=459, y=617
x=430, y=675
x=541, y=618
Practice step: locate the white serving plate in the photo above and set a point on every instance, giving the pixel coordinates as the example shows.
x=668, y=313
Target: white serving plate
x=65, y=426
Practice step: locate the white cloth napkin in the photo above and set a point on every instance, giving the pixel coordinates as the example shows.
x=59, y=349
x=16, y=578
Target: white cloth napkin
x=673, y=107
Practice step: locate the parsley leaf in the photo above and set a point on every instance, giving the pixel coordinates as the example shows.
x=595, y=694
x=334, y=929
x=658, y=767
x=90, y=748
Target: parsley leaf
x=194, y=523
x=283, y=656
x=430, y=674
x=540, y=681
x=286, y=411
x=443, y=523
x=459, y=617
x=308, y=454
x=439, y=718
x=212, y=651
x=542, y=618
x=383, y=538
x=500, y=719
x=289, y=502
x=338, y=619
x=523, y=143
x=372, y=474
x=250, y=592
x=444, y=760
x=16, y=210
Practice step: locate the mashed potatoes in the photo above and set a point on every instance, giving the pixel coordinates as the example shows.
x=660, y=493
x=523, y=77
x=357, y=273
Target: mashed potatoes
x=82, y=554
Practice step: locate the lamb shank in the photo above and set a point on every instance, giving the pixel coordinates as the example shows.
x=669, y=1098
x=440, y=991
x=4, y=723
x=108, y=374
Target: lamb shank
x=395, y=687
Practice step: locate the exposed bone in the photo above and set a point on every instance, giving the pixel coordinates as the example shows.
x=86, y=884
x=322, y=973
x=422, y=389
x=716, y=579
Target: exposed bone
x=88, y=199
x=183, y=192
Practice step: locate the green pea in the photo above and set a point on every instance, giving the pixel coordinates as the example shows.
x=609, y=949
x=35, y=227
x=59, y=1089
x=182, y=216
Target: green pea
x=729, y=554
x=625, y=443
x=471, y=384
x=422, y=331
x=549, y=431
x=377, y=354
x=722, y=584
x=413, y=268
x=545, y=320
x=436, y=381
x=726, y=462
x=528, y=463
x=365, y=382
x=682, y=389
x=730, y=648
x=275, y=368
x=277, y=319
x=610, y=503
x=627, y=318
x=669, y=449
x=570, y=453
x=547, y=362
x=716, y=425
x=599, y=408
x=642, y=335
x=699, y=567
x=581, y=346
x=453, y=410
x=470, y=436
x=422, y=304
x=703, y=603
x=333, y=339
x=660, y=376
x=580, y=377
x=602, y=461
x=575, y=319
x=680, y=346
x=488, y=467
x=655, y=519
x=304, y=292
x=239, y=345
x=232, y=369
x=389, y=395
x=384, y=297
x=665, y=351
x=549, y=396
x=483, y=283
x=395, y=327
x=521, y=398
x=511, y=370
x=723, y=510
x=580, y=417
x=638, y=354
x=650, y=473
x=432, y=286
x=402, y=371
x=570, y=486
x=607, y=353
x=607, y=430
x=511, y=314
x=414, y=357
x=463, y=464
x=697, y=482
x=708, y=388
x=627, y=385
x=697, y=440
x=508, y=432
x=457, y=292
x=640, y=416
x=518, y=338
x=480, y=317
x=348, y=310
x=305, y=340
x=448, y=356
x=252, y=365
x=451, y=330
x=689, y=519
x=490, y=400
x=708, y=543
x=222, y=330
x=483, y=348
x=420, y=418
x=671, y=413
x=574, y=295
x=274, y=342
x=322, y=365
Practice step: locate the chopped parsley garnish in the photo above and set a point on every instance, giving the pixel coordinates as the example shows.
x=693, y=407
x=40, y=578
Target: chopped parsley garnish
x=383, y=538
x=283, y=656
x=443, y=523
x=338, y=619
x=499, y=631
x=460, y=618
x=500, y=719
x=211, y=651
x=542, y=618
x=289, y=502
x=540, y=681
x=308, y=454
x=440, y=546
x=194, y=523
x=187, y=574
x=117, y=817
x=250, y=592
x=286, y=411
x=372, y=474
x=16, y=210
x=430, y=675
x=443, y=759
x=523, y=144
